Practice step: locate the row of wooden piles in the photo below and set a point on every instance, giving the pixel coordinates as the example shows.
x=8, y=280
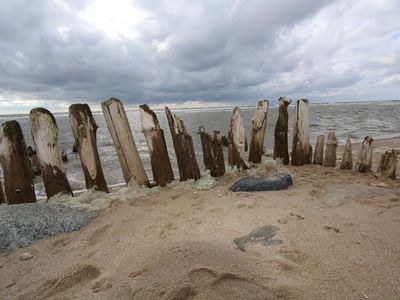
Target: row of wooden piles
x=19, y=188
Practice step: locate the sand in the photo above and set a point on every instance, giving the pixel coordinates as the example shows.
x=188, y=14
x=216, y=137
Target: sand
x=338, y=232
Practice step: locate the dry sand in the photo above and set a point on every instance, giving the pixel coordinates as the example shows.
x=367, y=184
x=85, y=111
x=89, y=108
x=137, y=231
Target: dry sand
x=339, y=232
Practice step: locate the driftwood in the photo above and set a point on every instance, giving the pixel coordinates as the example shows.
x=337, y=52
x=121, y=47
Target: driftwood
x=259, y=122
x=160, y=162
x=236, y=137
x=18, y=185
x=319, y=150
x=183, y=145
x=347, y=159
x=330, y=150
x=121, y=134
x=364, y=163
x=281, y=131
x=300, y=145
x=213, y=154
x=84, y=129
x=45, y=136
x=388, y=164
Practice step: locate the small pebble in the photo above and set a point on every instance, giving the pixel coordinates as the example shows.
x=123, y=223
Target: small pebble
x=25, y=256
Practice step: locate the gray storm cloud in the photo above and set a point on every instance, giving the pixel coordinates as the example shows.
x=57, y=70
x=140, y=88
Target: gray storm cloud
x=155, y=51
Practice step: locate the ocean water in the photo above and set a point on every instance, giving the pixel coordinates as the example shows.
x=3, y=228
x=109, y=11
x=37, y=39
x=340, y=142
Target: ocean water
x=349, y=120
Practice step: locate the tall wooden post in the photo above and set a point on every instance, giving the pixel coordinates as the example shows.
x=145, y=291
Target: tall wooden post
x=300, y=145
x=84, y=129
x=259, y=122
x=236, y=136
x=2, y=197
x=183, y=145
x=18, y=185
x=45, y=137
x=319, y=150
x=364, y=163
x=347, y=158
x=160, y=162
x=281, y=131
x=330, y=150
x=213, y=154
x=121, y=134
x=388, y=164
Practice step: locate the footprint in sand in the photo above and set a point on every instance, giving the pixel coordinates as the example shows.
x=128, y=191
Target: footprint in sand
x=291, y=216
x=334, y=229
x=293, y=255
x=98, y=234
x=210, y=284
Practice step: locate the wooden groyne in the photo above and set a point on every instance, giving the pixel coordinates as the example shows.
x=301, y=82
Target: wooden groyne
x=18, y=161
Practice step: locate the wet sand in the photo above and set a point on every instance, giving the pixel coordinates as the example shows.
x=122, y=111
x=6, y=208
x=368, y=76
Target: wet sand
x=339, y=233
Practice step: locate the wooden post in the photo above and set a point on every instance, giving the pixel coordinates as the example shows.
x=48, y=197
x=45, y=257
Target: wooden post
x=236, y=145
x=84, y=129
x=330, y=150
x=364, y=163
x=183, y=145
x=310, y=153
x=259, y=122
x=388, y=164
x=300, y=145
x=213, y=154
x=319, y=150
x=45, y=136
x=160, y=162
x=121, y=134
x=18, y=185
x=347, y=159
x=2, y=197
x=281, y=131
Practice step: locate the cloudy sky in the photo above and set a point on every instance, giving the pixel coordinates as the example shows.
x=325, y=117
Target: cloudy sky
x=56, y=52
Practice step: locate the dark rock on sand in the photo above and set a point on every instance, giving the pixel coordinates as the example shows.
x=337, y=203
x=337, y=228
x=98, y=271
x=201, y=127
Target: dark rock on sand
x=278, y=181
x=23, y=224
x=261, y=235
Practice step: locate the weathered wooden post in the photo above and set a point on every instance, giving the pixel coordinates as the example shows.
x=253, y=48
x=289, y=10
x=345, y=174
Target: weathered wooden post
x=236, y=137
x=281, y=131
x=2, y=197
x=183, y=145
x=259, y=122
x=121, y=134
x=330, y=150
x=213, y=154
x=388, y=164
x=347, y=159
x=84, y=129
x=160, y=162
x=364, y=163
x=319, y=150
x=45, y=137
x=300, y=145
x=18, y=185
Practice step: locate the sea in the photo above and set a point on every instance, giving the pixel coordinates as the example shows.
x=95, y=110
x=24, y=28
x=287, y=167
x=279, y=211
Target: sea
x=379, y=119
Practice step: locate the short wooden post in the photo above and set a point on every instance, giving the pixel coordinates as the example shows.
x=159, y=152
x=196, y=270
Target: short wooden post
x=160, y=162
x=34, y=160
x=213, y=154
x=300, y=145
x=236, y=136
x=319, y=150
x=281, y=131
x=45, y=137
x=310, y=153
x=330, y=150
x=18, y=185
x=183, y=145
x=364, y=163
x=84, y=129
x=388, y=164
x=259, y=124
x=121, y=134
x=347, y=158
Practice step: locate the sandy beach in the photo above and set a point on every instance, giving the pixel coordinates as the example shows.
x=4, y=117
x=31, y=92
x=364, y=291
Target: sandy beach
x=337, y=238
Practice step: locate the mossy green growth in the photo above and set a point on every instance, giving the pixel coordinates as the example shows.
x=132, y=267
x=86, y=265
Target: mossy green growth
x=10, y=126
x=110, y=101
